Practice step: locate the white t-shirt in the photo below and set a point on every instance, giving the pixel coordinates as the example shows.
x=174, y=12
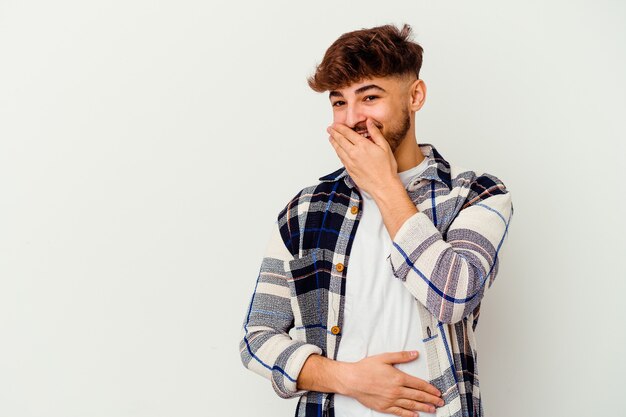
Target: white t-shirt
x=380, y=315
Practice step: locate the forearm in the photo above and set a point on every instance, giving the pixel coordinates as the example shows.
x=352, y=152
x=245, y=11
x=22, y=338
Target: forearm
x=266, y=347
x=322, y=374
x=395, y=206
x=449, y=276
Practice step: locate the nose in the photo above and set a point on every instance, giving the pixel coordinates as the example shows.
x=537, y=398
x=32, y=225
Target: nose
x=354, y=116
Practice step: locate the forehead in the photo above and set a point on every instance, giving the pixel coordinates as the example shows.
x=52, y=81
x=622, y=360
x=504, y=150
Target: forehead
x=381, y=84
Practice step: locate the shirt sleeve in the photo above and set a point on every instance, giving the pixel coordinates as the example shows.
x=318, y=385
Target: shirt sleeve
x=266, y=348
x=449, y=276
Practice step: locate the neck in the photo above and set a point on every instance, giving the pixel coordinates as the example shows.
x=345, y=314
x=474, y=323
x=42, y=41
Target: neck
x=408, y=154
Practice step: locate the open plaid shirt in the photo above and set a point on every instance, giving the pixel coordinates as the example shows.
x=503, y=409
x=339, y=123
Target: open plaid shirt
x=446, y=255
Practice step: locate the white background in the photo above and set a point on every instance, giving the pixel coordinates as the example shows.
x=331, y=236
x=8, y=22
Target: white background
x=146, y=148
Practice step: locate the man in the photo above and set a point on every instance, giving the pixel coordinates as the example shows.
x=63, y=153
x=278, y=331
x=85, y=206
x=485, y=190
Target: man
x=369, y=291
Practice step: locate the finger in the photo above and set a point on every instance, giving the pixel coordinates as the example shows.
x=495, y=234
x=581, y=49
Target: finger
x=415, y=406
x=348, y=133
x=345, y=143
x=411, y=381
x=375, y=134
x=341, y=153
x=420, y=396
x=399, y=357
x=398, y=411
x=339, y=139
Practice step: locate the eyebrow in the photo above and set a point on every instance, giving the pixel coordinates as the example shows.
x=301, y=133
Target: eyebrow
x=359, y=90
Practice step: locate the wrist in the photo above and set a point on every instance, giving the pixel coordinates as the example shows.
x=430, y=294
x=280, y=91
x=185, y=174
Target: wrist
x=390, y=190
x=323, y=374
x=342, y=375
x=395, y=206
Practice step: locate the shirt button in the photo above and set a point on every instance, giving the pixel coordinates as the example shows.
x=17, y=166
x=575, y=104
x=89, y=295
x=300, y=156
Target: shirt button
x=339, y=267
x=354, y=209
x=335, y=330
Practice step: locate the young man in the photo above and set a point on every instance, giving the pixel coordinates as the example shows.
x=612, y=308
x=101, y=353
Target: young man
x=370, y=288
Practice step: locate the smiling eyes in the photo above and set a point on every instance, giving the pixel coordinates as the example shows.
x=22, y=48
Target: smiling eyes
x=340, y=103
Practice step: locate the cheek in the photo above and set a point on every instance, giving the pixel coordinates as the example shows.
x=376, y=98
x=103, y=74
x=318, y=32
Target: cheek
x=381, y=117
x=339, y=117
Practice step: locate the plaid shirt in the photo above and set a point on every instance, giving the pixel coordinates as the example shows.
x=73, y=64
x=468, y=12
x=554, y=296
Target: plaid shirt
x=446, y=255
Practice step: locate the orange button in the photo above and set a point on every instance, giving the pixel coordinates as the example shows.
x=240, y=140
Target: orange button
x=335, y=330
x=339, y=267
x=354, y=209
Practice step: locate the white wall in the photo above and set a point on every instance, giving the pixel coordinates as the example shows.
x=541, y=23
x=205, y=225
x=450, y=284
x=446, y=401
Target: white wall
x=146, y=148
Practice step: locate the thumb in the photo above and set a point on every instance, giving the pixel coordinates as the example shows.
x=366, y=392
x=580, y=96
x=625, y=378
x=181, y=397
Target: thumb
x=375, y=134
x=399, y=357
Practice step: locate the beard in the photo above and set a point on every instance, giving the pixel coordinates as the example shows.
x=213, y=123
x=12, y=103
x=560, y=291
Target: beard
x=396, y=133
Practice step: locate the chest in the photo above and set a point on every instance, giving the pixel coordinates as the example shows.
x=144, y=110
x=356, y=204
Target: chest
x=323, y=270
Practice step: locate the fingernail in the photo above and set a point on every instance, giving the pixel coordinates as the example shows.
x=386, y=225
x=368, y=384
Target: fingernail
x=441, y=403
x=413, y=353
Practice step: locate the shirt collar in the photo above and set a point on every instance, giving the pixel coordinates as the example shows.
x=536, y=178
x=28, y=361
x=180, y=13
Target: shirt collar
x=437, y=169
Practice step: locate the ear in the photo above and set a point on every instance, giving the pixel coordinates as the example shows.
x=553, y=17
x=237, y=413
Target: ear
x=417, y=94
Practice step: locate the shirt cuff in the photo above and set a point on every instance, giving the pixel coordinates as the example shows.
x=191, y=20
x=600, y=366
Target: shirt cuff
x=284, y=381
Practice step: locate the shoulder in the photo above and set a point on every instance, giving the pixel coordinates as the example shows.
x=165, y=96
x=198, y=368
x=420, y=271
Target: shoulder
x=314, y=196
x=302, y=213
x=480, y=183
x=482, y=188
x=486, y=185
x=300, y=202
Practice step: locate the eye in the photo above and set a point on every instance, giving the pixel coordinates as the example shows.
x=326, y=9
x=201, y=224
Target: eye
x=372, y=97
x=337, y=103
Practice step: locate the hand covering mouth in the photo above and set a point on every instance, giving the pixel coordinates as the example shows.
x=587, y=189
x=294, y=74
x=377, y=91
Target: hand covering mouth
x=364, y=133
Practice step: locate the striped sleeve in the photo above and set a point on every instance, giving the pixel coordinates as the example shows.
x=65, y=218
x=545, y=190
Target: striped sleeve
x=449, y=276
x=266, y=347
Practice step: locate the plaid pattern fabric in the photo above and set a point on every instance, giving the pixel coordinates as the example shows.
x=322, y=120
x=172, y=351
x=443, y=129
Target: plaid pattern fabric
x=446, y=255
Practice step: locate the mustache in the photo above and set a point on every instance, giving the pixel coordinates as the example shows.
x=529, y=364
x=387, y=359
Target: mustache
x=363, y=127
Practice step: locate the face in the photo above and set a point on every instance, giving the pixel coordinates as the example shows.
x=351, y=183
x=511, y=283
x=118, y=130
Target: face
x=387, y=101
